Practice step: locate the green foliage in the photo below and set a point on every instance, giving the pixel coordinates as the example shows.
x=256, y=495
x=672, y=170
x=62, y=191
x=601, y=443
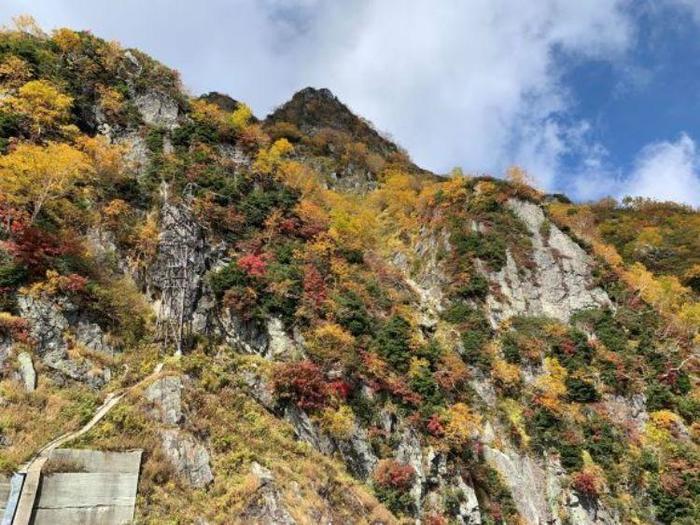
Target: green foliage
x=393, y=342
x=352, y=314
x=581, y=391
x=476, y=288
x=509, y=346
x=487, y=247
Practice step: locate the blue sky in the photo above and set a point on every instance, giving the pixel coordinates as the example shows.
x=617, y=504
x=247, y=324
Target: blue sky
x=593, y=98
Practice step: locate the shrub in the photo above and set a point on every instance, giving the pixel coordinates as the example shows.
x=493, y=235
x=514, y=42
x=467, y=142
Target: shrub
x=476, y=288
x=581, y=391
x=586, y=483
x=230, y=276
x=393, y=474
x=393, y=343
x=301, y=383
x=510, y=349
x=330, y=343
x=352, y=314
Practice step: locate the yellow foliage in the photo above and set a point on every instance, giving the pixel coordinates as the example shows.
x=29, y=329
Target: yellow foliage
x=353, y=225
x=66, y=39
x=240, y=117
x=111, y=101
x=339, y=423
x=27, y=24
x=208, y=113
x=269, y=159
x=517, y=175
x=42, y=104
x=514, y=413
x=34, y=176
x=506, y=375
x=53, y=284
x=330, y=342
x=14, y=71
x=551, y=385
x=665, y=419
x=298, y=176
x=418, y=367
x=461, y=425
x=108, y=160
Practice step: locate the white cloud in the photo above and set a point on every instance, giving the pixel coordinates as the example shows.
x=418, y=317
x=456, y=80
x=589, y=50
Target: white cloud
x=667, y=171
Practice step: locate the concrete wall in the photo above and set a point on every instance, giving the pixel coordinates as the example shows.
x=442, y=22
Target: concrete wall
x=10, y=489
x=101, y=490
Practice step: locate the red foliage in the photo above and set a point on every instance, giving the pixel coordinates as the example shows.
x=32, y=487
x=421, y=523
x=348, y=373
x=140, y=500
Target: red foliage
x=255, y=265
x=289, y=225
x=301, y=383
x=435, y=427
x=314, y=286
x=339, y=388
x=15, y=327
x=435, y=519
x=585, y=483
x=568, y=347
x=74, y=283
x=30, y=245
x=391, y=473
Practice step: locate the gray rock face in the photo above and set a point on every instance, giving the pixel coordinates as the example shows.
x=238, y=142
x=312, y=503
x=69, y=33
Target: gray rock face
x=539, y=489
x=165, y=395
x=356, y=451
x=410, y=453
x=137, y=152
x=189, y=457
x=632, y=410
x=26, y=370
x=175, y=278
x=5, y=352
x=49, y=320
x=266, y=506
x=358, y=454
x=527, y=483
x=560, y=284
x=157, y=109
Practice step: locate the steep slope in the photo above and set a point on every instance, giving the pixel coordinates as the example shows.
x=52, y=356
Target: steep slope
x=345, y=338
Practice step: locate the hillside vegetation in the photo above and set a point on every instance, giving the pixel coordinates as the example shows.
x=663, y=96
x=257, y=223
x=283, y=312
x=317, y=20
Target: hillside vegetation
x=347, y=338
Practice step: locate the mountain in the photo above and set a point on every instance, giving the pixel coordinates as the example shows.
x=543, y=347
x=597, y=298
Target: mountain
x=209, y=318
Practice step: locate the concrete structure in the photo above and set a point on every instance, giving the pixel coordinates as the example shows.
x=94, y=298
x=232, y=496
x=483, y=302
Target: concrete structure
x=99, y=488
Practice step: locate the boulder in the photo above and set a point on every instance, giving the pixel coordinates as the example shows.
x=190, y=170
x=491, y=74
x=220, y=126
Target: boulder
x=26, y=371
x=165, y=395
x=265, y=506
x=188, y=457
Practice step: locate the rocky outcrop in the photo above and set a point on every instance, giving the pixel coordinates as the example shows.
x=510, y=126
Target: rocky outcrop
x=560, y=283
x=158, y=109
x=265, y=507
x=165, y=396
x=539, y=487
x=26, y=371
x=356, y=450
x=188, y=457
x=174, y=280
x=51, y=319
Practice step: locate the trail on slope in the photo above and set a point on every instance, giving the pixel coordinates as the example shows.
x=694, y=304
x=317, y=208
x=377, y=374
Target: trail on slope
x=110, y=402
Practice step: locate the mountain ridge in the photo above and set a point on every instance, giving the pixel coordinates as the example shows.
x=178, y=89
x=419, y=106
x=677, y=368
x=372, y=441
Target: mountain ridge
x=345, y=337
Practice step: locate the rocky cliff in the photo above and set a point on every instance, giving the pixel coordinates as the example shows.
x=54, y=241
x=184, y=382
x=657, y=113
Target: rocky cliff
x=341, y=336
